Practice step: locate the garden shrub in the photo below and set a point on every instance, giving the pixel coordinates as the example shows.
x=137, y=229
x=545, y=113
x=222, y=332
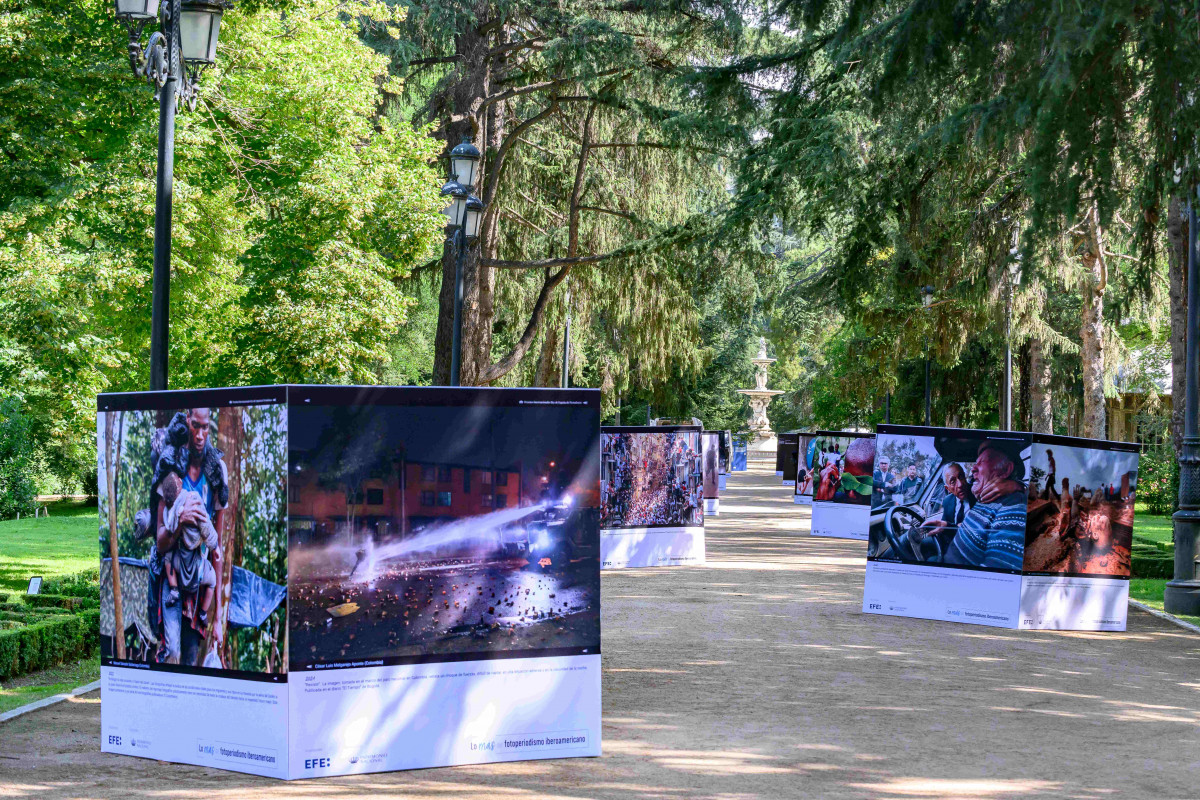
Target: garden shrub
x=18, y=494
x=83, y=584
x=57, y=601
x=48, y=643
x=1158, y=479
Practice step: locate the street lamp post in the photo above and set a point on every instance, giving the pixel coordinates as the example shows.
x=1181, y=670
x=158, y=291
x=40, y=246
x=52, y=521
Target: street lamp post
x=927, y=303
x=464, y=212
x=1014, y=274
x=171, y=61
x=1182, y=595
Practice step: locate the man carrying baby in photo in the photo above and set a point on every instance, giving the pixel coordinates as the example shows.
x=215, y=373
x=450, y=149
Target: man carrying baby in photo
x=190, y=492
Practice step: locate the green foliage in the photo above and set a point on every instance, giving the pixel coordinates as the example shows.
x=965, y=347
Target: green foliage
x=1158, y=479
x=83, y=584
x=17, y=492
x=298, y=210
x=47, y=643
x=68, y=602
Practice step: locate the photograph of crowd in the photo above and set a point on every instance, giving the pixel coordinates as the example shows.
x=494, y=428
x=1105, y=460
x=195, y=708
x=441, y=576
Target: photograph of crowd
x=949, y=497
x=1080, y=507
x=843, y=464
x=193, y=532
x=651, y=477
x=432, y=525
x=805, y=474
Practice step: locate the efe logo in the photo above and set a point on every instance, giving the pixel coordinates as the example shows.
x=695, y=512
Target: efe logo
x=317, y=763
x=114, y=740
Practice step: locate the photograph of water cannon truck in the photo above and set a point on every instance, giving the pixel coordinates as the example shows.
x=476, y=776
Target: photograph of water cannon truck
x=422, y=533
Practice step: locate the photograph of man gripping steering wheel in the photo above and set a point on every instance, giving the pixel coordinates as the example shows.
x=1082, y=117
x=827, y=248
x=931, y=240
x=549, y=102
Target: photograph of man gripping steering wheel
x=951, y=498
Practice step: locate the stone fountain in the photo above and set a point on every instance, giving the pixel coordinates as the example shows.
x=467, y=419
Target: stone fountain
x=763, y=442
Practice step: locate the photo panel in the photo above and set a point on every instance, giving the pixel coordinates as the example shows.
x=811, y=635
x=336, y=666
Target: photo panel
x=445, y=577
x=652, y=496
x=434, y=525
x=790, y=449
x=193, y=561
x=947, y=524
x=725, y=463
x=783, y=442
x=710, y=451
x=842, y=464
x=803, y=489
x=192, y=503
x=1079, y=533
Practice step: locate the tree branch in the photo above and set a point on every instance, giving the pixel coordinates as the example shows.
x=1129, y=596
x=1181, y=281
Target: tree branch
x=504, y=365
x=552, y=262
x=544, y=85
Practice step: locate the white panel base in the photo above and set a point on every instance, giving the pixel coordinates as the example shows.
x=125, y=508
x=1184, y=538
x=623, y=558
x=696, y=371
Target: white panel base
x=778, y=473
x=238, y=725
x=789, y=483
x=414, y=716
x=1062, y=603
x=942, y=593
x=802, y=500
x=841, y=521
x=651, y=547
x=712, y=506
x=722, y=480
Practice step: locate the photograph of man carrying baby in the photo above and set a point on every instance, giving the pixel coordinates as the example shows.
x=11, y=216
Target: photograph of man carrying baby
x=1080, y=508
x=193, y=512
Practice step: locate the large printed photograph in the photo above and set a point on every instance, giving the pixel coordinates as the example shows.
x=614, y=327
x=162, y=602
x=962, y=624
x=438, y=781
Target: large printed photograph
x=710, y=447
x=193, y=515
x=651, y=478
x=950, y=498
x=1080, y=507
x=805, y=473
x=842, y=463
x=440, y=525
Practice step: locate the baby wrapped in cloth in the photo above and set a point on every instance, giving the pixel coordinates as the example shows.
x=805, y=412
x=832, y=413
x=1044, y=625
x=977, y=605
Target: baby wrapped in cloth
x=187, y=568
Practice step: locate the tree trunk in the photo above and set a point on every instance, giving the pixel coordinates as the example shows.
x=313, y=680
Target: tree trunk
x=229, y=438
x=547, y=367
x=1177, y=238
x=460, y=121
x=1025, y=389
x=1091, y=329
x=112, y=462
x=1041, y=409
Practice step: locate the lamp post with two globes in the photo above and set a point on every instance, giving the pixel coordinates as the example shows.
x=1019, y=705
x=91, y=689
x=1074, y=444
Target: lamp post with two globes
x=171, y=60
x=464, y=213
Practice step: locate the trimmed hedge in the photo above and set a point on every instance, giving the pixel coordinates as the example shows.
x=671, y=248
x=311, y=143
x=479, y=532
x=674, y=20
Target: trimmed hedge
x=59, y=601
x=83, y=584
x=21, y=608
x=48, y=643
x=3, y=597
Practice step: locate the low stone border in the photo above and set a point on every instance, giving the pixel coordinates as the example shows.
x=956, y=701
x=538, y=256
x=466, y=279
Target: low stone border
x=49, y=701
x=1164, y=615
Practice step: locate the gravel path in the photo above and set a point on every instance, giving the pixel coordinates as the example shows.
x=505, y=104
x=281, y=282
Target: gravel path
x=758, y=677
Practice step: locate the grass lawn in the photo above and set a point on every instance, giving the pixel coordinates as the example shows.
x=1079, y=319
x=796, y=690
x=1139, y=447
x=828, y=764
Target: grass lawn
x=1153, y=526
x=64, y=543
x=37, y=685
x=1150, y=592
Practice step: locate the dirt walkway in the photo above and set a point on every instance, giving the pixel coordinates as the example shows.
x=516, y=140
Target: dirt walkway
x=758, y=677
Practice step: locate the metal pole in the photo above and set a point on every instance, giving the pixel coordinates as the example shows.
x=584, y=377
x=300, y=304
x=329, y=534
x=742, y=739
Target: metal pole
x=618, y=408
x=566, y=358
x=887, y=408
x=928, y=398
x=1008, y=426
x=648, y=417
x=1182, y=595
x=160, y=303
x=460, y=240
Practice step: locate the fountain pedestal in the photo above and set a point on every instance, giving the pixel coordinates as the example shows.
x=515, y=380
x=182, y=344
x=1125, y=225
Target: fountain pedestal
x=763, y=442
